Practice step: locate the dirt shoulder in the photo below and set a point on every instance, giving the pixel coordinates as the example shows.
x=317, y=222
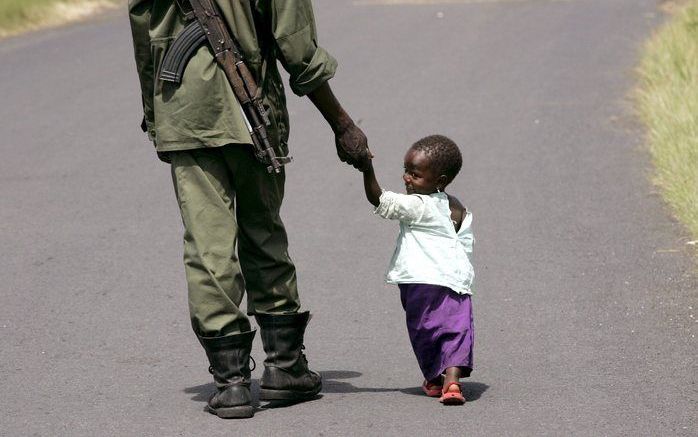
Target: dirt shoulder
x=19, y=16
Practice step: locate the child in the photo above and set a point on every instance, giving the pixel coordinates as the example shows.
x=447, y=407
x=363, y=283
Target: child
x=431, y=263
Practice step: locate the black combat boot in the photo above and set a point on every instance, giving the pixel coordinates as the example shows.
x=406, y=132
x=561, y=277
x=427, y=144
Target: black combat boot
x=230, y=365
x=286, y=374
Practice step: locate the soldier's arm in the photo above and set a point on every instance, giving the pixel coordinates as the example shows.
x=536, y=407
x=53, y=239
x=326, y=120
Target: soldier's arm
x=310, y=67
x=139, y=15
x=293, y=27
x=350, y=141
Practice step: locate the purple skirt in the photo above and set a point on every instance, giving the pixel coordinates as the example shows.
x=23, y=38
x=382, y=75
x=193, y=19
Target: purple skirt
x=440, y=325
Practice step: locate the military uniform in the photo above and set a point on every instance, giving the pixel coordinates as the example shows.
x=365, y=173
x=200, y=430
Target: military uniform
x=234, y=239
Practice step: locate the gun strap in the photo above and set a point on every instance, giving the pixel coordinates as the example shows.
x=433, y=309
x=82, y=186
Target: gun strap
x=229, y=58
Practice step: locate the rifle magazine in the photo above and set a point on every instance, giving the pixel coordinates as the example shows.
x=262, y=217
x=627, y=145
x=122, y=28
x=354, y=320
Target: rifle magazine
x=180, y=52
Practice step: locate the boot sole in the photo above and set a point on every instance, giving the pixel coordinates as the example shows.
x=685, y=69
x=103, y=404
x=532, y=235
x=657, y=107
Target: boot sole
x=267, y=394
x=241, y=412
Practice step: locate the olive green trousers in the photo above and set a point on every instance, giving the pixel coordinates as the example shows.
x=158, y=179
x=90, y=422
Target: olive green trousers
x=234, y=239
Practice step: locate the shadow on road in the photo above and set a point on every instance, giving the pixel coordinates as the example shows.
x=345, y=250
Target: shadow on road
x=331, y=384
x=201, y=392
x=204, y=391
x=472, y=390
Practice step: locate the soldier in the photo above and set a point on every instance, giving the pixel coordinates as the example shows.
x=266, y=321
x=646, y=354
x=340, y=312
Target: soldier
x=234, y=239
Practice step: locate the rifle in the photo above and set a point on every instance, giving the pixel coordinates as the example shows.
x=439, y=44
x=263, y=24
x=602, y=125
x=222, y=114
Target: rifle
x=208, y=26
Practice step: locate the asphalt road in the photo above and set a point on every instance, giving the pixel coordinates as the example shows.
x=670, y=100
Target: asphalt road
x=585, y=301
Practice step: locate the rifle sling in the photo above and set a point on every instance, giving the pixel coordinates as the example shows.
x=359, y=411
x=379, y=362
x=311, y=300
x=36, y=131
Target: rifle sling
x=229, y=57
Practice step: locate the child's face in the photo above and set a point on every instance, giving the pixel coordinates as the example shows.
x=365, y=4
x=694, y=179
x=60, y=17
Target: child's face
x=419, y=176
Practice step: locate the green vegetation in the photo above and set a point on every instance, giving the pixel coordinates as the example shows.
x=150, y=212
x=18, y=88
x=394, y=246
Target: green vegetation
x=19, y=15
x=668, y=104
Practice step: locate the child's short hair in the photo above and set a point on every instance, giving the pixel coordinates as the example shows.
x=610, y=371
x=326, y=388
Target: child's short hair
x=443, y=154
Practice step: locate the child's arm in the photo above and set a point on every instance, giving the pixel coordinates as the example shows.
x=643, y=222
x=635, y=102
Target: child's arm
x=393, y=206
x=373, y=190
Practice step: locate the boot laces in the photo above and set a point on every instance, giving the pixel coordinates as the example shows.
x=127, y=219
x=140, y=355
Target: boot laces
x=254, y=366
x=303, y=357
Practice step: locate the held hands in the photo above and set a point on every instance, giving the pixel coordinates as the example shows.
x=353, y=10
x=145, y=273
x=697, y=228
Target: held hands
x=352, y=147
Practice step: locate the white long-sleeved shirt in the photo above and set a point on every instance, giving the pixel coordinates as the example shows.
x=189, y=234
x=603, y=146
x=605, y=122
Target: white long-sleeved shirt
x=429, y=250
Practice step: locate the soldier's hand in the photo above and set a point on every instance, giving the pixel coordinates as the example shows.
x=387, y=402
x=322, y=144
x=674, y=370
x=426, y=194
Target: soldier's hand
x=352, y=147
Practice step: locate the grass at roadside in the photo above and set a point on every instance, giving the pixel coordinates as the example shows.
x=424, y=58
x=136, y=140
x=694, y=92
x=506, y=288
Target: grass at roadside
x=17, y=16
x=668, y=104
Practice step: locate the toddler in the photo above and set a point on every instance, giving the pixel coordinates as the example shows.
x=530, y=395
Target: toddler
x=431, y=264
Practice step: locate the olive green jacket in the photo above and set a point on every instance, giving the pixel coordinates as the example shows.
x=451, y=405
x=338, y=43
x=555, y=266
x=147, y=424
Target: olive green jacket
x=202, y=111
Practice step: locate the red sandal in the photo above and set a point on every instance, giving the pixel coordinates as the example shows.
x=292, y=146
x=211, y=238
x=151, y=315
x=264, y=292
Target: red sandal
x=452, y=395
x=432, y=390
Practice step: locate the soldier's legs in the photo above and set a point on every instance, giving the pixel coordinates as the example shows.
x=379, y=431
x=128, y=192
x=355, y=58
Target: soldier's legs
x=206, y=199
x=229, y=201
x=270, y=276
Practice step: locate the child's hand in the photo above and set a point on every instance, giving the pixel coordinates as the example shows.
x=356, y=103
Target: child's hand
x=365, y=163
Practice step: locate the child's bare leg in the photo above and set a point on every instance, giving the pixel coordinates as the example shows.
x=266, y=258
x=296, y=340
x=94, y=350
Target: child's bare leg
x=452, y=375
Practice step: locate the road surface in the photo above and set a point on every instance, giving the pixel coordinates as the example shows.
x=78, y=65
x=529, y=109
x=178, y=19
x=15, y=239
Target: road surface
x=585, y=300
